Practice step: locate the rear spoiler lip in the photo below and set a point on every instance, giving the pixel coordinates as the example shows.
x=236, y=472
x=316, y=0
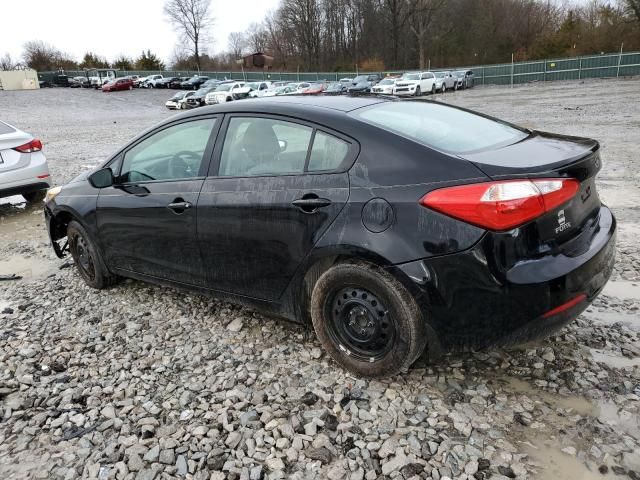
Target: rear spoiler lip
x=590, y=148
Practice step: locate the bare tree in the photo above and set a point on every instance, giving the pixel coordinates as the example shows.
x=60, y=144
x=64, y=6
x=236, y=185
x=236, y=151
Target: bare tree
x=633, y=8
x=237, y=42
x=192, y=20
x=6, y=62
x=424, y=13
x=42, y=56
x=257, y=37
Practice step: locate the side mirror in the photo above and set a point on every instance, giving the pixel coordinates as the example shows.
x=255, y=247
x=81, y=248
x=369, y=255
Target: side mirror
x=283, y=145
x=103, y=178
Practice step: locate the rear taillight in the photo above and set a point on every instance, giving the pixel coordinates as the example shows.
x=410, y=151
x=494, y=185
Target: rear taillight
x=501, y=205
x=34, y=145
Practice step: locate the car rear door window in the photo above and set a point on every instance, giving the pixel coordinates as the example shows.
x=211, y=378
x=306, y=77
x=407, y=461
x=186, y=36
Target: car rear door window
x=264, y=146
x=328, y=152
x=440, y=126
x=173, y=153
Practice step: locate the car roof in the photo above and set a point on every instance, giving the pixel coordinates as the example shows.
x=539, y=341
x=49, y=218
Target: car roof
x=294, y=103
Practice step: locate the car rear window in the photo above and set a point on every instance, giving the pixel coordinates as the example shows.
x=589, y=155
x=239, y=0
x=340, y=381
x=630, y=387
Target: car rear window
x=4, y=128
x=440, y=126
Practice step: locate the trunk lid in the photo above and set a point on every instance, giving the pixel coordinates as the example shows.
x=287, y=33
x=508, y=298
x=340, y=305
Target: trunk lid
x=545, y=155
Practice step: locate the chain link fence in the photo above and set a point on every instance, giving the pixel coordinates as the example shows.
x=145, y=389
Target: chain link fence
x=575, y=68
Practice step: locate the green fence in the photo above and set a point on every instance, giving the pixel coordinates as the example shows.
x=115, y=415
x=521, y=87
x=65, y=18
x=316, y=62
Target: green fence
x=576, y=68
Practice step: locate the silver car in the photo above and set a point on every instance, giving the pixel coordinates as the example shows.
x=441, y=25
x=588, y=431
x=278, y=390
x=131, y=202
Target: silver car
x=23, y=166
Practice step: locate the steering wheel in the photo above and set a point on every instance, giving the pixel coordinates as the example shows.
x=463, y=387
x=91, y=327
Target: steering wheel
x=180, y=164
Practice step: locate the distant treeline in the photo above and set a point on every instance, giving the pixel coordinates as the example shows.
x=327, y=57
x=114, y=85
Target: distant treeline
x=376, y=35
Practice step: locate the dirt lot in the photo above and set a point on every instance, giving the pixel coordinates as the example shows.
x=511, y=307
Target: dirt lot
x=146, y=382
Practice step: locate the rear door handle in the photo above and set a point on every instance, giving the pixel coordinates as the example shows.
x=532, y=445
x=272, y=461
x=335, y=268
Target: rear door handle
x=311, y=204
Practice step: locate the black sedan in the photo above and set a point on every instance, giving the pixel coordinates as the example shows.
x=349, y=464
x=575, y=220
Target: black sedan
x=177, y=82
x=197, y=99
x=167, y=81
x=194, y=83
x=381, y=222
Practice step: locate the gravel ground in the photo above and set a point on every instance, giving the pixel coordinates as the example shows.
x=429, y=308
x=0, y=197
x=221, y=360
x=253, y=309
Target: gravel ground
x=146, y=382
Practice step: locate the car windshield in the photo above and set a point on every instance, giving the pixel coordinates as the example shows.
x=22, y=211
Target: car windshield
x=225, y=87
x=282, y=89
x=204, y=91
x=334, y=85
x=411, y=76
x=439, y=75
x=387, y=81
x=459, y=74
x=178, y=96
x=360, y=79
x=253, y=85
x=439, y=126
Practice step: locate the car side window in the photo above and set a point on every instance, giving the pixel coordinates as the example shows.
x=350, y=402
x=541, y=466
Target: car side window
x=327, y=153
x=173, y=153
x=264, y=146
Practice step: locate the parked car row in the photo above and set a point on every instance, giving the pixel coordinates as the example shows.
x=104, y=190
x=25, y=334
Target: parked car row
x=212, y=91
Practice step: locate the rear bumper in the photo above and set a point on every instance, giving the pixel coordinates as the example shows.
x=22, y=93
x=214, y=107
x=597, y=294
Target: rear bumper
x=472, y=304
x=32, y=177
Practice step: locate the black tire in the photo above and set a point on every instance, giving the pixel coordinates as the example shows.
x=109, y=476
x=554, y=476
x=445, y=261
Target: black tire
x=385, y=332
x=418, y=92
x=35, y=197
x=433, y=89
x=87, y=258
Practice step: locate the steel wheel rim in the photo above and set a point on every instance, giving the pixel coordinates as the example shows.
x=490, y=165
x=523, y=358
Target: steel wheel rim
x=360, y=324
x=83, y=257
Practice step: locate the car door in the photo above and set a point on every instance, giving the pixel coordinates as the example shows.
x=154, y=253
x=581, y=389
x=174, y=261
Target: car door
x=147, y=219
x=274, y=188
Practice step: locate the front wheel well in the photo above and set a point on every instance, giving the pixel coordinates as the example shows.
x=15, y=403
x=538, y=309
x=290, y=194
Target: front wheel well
x=59, y=225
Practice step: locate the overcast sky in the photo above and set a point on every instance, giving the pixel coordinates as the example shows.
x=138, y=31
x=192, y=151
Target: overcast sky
x=112, y=27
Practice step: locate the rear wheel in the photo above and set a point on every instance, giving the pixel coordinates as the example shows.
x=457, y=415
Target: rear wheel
x=418, y=92
x=433, y=89
x=444, y=88
x=35, y=197
x=366, y=320
x=87, y=258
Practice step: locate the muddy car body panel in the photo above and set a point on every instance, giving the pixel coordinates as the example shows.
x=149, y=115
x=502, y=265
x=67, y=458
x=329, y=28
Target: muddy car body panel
x=250, y=239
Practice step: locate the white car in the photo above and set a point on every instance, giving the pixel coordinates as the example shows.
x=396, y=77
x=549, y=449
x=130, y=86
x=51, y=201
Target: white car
x=445, y=81
x=385, y=87
x=297, y=87
x=23, y=166
x=227, y=92
x=415, y=83
x=279, y=90
x=258, y=89
x=151, y=80
x=179, y=100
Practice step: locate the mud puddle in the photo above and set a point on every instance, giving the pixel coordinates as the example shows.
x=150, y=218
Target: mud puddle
x=21, y=221
x=614, y=361
x=619, y=419
x=630, y=320
x=546, y=453
x=554, y=464
x=26, y=267
x=623, y=290
x=572, y=404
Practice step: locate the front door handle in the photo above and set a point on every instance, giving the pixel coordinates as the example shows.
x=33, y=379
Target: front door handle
x=311, y=204
x=179, y=205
